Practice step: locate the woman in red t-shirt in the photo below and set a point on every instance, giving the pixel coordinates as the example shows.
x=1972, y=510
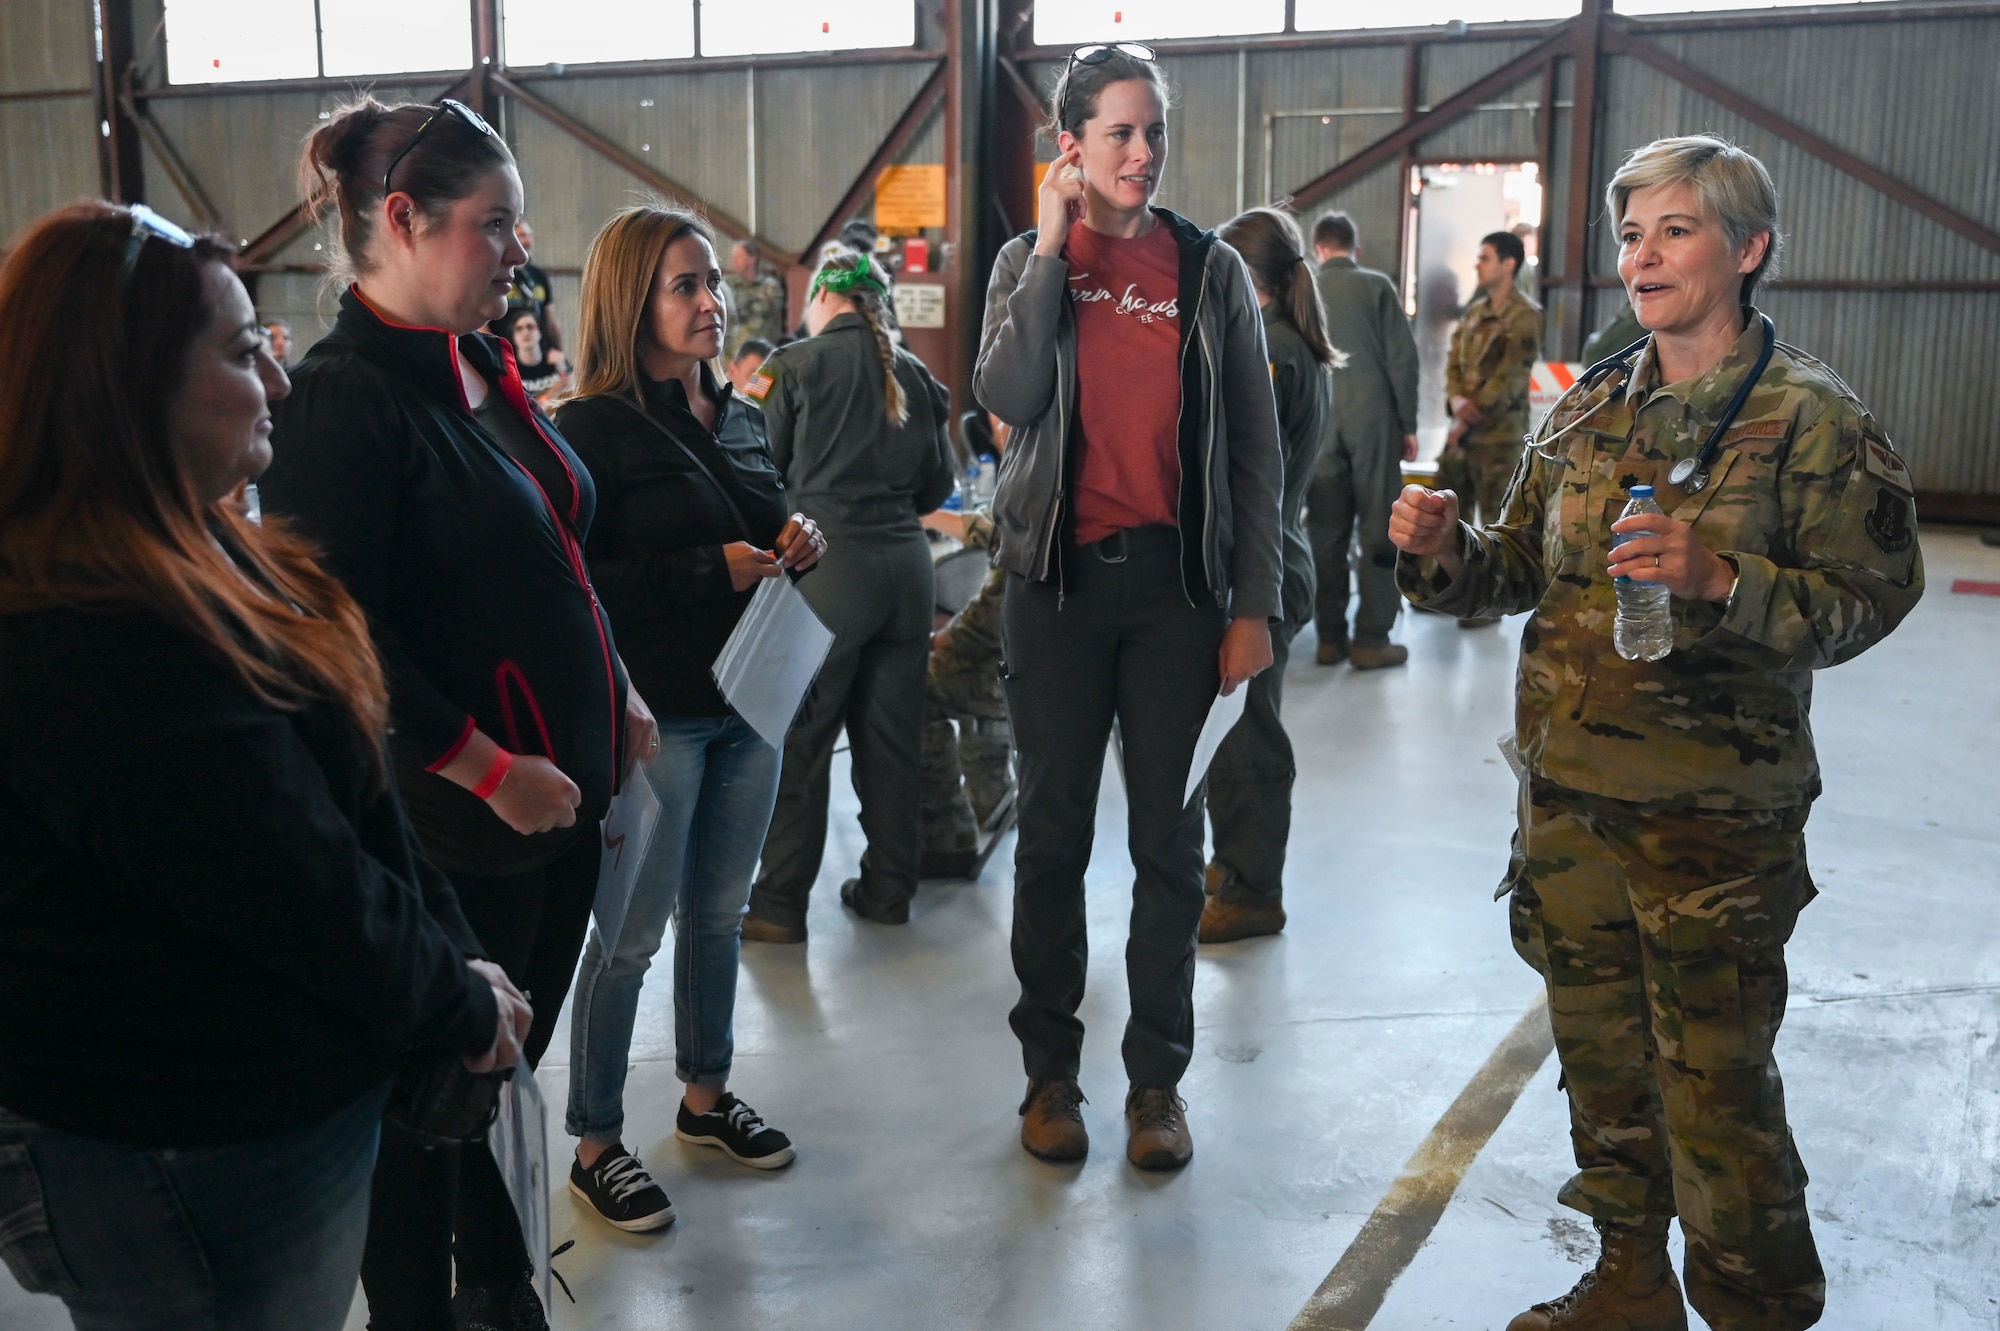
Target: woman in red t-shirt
x=1138, y=520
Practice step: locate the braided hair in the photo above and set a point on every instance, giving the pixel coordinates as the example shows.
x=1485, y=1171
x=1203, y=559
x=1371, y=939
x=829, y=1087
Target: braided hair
x=854, y=277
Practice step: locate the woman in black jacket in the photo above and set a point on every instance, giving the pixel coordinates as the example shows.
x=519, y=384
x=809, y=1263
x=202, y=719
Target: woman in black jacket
x=217, y=937
x=456, y=515
x=691, y=518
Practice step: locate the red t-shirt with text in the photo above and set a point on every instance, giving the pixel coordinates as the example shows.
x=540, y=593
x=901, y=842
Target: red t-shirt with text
x=1126, y=298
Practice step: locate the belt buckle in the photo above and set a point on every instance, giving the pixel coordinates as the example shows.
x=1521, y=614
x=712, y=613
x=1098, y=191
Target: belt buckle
x=1124, y=548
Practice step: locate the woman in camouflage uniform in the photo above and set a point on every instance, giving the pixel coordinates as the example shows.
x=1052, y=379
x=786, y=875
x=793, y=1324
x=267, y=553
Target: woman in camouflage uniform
x=1660, y=865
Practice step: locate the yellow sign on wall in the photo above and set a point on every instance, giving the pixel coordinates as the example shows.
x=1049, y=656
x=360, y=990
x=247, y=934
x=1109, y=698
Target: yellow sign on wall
x=910, y=198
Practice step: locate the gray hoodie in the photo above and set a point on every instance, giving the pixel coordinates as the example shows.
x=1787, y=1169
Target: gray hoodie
x=1232, y=466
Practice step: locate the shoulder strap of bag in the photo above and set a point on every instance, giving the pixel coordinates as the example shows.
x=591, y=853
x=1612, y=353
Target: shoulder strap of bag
x=742, y=524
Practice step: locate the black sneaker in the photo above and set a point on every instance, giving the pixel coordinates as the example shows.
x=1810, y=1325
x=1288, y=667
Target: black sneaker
x=513, y=1306
x=735, y=1129
x=619, y=1189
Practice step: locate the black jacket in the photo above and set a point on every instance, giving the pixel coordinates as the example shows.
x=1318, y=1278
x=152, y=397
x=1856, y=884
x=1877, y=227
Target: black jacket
x=472, y=576
x=655, y=550
x=212, y=928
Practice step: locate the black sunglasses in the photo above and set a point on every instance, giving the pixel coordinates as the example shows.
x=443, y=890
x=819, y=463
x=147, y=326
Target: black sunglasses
x=145, y=223
x=1096, y=53
x=465, y=114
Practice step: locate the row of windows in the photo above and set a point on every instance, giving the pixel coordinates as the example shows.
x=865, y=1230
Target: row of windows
x=226, y=41
x=1076, y=21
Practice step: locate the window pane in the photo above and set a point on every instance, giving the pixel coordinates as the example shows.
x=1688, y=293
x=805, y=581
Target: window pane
x=743, y=28
x=1317, y=15
x=221, y=41
x=580, y=32
x=391, y=36
x=1144, y=20
x=1688, y=6
x=1321, y=14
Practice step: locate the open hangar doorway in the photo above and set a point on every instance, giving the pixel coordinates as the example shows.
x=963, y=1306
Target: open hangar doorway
x=1449, y=206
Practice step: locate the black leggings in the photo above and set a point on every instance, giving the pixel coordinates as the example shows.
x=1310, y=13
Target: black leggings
x=434, y=1205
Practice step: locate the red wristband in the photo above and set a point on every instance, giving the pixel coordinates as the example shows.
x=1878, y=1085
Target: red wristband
x=503, y=763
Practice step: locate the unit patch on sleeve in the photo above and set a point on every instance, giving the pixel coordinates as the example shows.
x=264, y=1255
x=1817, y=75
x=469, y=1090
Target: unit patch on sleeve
x=1888, y=523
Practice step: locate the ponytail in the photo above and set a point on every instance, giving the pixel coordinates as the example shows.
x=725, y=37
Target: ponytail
x=853, y=277
x=347, y=156
x=1273, y=250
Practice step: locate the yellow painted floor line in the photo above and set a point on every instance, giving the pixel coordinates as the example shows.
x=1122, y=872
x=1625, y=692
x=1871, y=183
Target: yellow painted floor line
x=1352, y=1293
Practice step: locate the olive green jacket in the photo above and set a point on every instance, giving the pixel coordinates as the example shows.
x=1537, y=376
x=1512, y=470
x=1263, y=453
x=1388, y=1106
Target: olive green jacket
x=849, y=467
x=1375, y=387
x=1492, y=352
x=1304, y=391
x=1808, y=502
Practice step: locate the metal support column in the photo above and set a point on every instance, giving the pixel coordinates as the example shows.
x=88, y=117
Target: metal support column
x=1587, y=47
x=121, y=168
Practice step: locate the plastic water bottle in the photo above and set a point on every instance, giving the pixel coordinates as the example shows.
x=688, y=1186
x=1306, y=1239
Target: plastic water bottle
x=988, y=480
x=955, y=501
x=1645, y=627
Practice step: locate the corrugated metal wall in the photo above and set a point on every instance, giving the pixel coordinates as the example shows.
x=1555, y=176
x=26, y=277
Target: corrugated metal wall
x=1918, y=97
x=48, y=148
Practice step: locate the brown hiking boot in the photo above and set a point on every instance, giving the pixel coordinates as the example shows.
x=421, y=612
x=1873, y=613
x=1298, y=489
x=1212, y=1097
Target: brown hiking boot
x=1157, y=1121
x=1052, y=1121
x=1377, y=658
x=1225, y=921
x=1632, y=1288
x=757, y=929
x=1331, y=653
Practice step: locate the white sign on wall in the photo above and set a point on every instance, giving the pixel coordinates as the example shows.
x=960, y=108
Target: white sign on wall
x=919, y=305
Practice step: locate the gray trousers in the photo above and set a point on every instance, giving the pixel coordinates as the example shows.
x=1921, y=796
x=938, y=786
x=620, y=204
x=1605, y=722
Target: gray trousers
x=1348, y=504
x=1123, y=643
x=1250, y=789
x=875, y=594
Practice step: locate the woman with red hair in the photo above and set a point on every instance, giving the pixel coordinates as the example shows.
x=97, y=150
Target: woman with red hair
x=218, y=939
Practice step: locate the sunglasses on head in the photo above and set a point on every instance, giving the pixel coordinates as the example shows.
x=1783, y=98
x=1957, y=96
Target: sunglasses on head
x=445, y=106
x=1096, y=53
x=147, y=223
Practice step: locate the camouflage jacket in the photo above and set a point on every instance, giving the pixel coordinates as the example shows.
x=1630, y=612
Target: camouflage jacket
x=1492, y=351
x=975, y=630
x=1808, y=502
x=756, y=309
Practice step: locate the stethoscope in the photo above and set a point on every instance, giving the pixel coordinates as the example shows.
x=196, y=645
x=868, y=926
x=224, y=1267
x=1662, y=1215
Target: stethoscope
x=1689, y=475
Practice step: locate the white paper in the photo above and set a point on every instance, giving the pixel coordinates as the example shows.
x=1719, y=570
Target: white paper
x=519, y=1140
x=626, y=834
x=771, y=659
x=1223, y=714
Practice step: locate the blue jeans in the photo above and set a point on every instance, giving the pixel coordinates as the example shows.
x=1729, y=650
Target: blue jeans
x=717, y=782
x=263, y=1235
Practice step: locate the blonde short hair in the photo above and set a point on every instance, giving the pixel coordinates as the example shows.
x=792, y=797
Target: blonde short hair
x=1731, y=185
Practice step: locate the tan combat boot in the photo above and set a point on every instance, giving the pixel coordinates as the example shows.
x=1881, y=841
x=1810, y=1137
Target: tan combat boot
x=1156, y=1119
x=1224, y=921
x=1632, y=1288
x=1052, y=1121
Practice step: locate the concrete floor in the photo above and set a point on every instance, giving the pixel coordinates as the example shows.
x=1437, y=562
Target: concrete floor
x=1325, y=1056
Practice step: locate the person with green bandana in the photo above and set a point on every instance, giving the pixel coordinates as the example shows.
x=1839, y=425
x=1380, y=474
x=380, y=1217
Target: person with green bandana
x=858, y=426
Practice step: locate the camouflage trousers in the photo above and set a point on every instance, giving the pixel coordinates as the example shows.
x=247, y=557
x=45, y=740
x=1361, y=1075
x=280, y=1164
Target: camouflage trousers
x=967, y=751
x=1478, y=474
x=1661, y=936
